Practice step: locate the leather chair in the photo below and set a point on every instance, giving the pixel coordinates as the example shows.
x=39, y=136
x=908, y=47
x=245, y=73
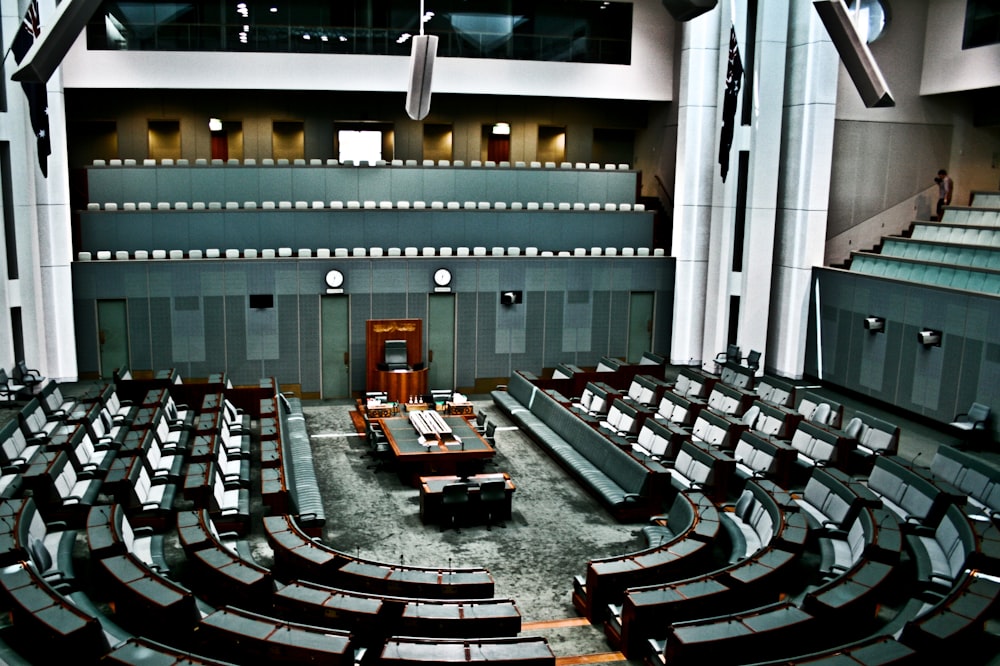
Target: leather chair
x=492, y=495
x=24, y=375
x=379, y=447
x=974, y=425
x=454, y=501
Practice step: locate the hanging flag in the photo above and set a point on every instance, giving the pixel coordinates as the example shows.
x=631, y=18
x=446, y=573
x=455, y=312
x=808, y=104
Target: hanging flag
x=734, y=80
x=38, y=99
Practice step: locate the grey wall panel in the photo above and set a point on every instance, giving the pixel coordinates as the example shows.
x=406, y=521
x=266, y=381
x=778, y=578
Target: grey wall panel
x=241, y=370
x=241, y=184
x=491, y=340
x=389, y=305
x=562, y=187
x=139, y=184
x=308, y=184
x=936, y=382
x=547, y=230
x=104, y=185
x=311, y=230
x=276, y=183
x=139, y=334
x=533, y=355
x=272, y=232
x=361, y=312
x=488, y=362
x=383, y=229
x=477, y=180
x=466, y=342
x=160, y=341
x=438, y=184
x=592, y=186
x=214, y=315
x=528, y=186
x=208, y=183
x=623, y=186
x=342, y=184
x=239, y=229
x=662, y=326
x=374, y=184
x=85, y=321
x=406, y=184
x=173, y=185
x=309, y=356
x=134, y=231
x=603, y=328
x=617, y=316
x=290, y=325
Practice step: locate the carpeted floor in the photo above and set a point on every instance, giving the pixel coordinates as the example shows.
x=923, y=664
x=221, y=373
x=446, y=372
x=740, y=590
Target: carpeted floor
x=555, y=528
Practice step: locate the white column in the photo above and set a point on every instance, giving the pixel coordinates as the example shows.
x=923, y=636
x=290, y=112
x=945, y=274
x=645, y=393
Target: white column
x=813, y=66
x=695, y=168
x=765, y=145
x=43, y=289
x=55, y=249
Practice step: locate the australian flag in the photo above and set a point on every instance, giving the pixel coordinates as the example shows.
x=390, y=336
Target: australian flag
x=734, y=81
x=38, y=99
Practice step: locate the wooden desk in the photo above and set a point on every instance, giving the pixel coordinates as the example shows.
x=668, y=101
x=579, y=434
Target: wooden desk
x=432, y=490
x=416, y=459
x=401, y=384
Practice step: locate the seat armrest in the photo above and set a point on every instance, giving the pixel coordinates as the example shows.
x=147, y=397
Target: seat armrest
x=632, y=497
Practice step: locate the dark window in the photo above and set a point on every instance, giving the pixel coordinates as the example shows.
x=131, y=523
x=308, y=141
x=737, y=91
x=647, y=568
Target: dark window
x=551, y=30
x=982, y=23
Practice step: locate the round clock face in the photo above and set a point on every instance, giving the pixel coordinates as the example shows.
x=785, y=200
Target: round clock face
x=334, y=279
x=442, y=277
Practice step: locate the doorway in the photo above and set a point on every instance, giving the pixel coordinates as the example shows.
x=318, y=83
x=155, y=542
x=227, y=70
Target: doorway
x=335, y=346
x=164, y=139
x=437, y=143
x=551, y=144
x=497, y=140
x=288, y=140
x=441, y=341
x=640, y=325
x=112, y=335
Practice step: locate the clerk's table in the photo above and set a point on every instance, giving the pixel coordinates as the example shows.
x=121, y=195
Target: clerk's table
x=417, y=456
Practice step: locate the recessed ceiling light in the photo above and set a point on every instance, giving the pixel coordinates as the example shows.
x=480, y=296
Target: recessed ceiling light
x=306, y=36
x=324, y=38
x=274, y=10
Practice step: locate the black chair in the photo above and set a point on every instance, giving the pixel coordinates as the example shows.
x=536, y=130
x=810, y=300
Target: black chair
x=9, y=389
x=731, y=355
x=454, y=500
x=378, y=446
x=493, y=496
x=753, y=360
x=481, y=421
x=31, y=378
x=395, y=355
x=974, y=425
x=491, y=434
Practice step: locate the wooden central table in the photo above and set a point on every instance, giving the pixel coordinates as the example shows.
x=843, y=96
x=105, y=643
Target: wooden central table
x=416, y=457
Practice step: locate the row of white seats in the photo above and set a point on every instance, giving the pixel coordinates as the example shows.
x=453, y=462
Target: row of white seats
x=267, y=161
x=367, y=205
x=325, y=253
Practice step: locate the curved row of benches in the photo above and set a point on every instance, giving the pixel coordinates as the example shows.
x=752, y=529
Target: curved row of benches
x=886, y=556
x=218, y=602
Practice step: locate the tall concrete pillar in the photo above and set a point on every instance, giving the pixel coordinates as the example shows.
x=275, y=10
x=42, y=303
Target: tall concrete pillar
x=695, y=169
x=807, y=156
